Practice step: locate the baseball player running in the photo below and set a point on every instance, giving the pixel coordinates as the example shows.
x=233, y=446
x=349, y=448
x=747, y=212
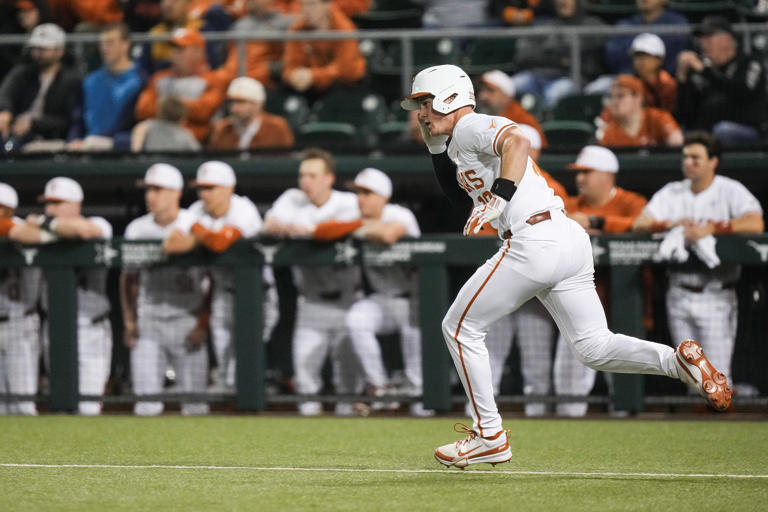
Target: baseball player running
x=63, y=199
x=19, y=322
x=221, y=218
x=325, y=292
x=545, y=255
x=701, y=302
x=164, y=309
x=392, y=307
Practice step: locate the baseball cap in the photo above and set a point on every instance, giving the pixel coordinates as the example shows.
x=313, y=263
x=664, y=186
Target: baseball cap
x=499, y=80
x=711, y=25
x=596, y=158
x=246, y=88
x=187, y=37
x=648, y=43
x=47, y=35
x=8, y=196
x=373, y=180
x=532, y=134
x=630, y=82
x=214, y=174
x=162, y=175
x=62, y=189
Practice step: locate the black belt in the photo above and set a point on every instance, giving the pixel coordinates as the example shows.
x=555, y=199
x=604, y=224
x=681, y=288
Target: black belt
x=532, y=220
x=5, y=318
x=699, y=289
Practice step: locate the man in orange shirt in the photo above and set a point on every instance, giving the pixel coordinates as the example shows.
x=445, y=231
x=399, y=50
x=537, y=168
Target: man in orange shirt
x=632, y=124
x=600, y=207
x=190, y=80
x=320, y=64
x=248, y=126
x=497, y=97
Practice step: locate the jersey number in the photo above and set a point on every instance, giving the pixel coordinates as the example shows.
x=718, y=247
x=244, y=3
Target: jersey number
x=470, y=182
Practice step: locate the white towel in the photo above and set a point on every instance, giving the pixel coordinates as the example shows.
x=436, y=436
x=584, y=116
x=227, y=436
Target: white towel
x=672, y=248
x=705, y=250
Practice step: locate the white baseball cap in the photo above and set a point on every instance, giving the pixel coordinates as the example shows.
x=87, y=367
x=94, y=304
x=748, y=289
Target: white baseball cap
x=246, y=88
x=375, y=181
x=648, y=43
x=162, y=175
x=47, y=35
x=62, y=189
x=500, y=80
x=8, y=196
x=596, y=158
x=532, y=134
x=215, y=173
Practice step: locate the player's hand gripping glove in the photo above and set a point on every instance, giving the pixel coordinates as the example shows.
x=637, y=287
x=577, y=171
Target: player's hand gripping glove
x=435, y=143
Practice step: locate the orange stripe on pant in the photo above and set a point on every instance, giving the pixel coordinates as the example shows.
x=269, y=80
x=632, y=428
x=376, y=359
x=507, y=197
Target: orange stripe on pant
x=458, y=328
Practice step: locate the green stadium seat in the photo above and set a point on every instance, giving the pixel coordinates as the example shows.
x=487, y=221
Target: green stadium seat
x=611, y=9
x=426, y=52
x=352, y=115
x=567, y=133
x=293, y=107
x=325, y=132
x=483, y=55
x=390, y=14
x=578, y=107
x=695, y=10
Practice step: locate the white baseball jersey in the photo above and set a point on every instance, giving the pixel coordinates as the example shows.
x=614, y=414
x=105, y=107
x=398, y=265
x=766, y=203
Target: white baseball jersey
x=478, y=165
x=394, y=279
x=92, y=302
x=167, y=291
x=723, y=200
x=294, y=207
x=19, y=288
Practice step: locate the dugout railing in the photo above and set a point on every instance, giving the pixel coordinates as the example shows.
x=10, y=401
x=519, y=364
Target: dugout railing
x=433, y=255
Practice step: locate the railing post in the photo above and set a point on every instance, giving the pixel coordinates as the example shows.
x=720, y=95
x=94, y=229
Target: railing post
x=406, y=49
x=576, y=59
x=627, y=318
x=62, y=338
x=435, y=359
x=249, y=345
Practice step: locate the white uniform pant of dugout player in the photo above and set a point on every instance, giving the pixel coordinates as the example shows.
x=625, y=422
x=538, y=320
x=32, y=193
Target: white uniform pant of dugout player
x=19, y=362
x=551, y=260
x=162, y=341
x=380, y=314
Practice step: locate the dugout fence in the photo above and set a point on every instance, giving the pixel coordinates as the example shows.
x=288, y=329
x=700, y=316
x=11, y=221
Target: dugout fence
x=437, y=259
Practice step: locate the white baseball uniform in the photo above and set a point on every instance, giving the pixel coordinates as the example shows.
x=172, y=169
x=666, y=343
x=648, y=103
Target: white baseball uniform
x=94, y=330
x=168, y=304
x=20, y=290
x=701, y=303
x=549, y=257
x=244, y=216
x=392, y=307
x=325, y=295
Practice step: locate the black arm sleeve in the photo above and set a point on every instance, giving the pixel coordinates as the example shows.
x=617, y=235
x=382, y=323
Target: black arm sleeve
x=445, y=171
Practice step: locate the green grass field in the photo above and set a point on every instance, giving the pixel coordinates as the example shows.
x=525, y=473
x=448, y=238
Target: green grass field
x=285, y=463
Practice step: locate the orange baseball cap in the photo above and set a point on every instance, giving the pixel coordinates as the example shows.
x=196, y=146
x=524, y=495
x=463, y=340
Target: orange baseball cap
x=187, y=37
x=630, y=82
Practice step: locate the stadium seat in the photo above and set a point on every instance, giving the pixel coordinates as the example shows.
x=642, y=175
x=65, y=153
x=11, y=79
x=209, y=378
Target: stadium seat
x=351, y=115
x=567, y=133
x=390, y=14
x=578, y=107
x=695, y=10
x=387, y=60
x=293, y=107
x=483, y=55
x=752, y=10
x=326, y=132
x=611, y=10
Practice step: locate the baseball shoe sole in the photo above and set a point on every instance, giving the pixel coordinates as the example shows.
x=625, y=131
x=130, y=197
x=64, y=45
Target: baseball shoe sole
x=710, y=383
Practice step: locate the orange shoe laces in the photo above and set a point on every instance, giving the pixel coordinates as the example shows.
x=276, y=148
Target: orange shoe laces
x=463, y=429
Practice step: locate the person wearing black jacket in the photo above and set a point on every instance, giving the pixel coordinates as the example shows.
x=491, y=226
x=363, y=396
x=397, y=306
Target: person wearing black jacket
x=722, y=89
x=37, y=99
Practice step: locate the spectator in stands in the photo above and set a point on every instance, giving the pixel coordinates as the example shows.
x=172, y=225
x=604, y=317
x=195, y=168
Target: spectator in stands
x=91, y=15
x=248, y=126
x=37, y=99
x=517, y=13
x=63, y=220
x=317, y=65
x=600, y=207
x=650, y=12
x=701, y=300
x=190, y=80
x=631, y=124
x=722, y=89
x=496, y=96
x=19, y=17
x=263, y=59
x=455, y=13
x=546, y=60
x=110, y=94
x=164, y=133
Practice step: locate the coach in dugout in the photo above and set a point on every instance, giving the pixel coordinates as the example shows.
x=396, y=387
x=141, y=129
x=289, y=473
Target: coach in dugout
x=63, y=220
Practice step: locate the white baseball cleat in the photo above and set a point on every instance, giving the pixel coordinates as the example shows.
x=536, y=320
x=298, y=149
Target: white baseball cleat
x=694, y=369
x=474, y=449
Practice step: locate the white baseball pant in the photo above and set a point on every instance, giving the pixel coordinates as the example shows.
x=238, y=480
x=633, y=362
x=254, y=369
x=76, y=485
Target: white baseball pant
x=571, y=377
x=163, y=341
x=380, y=314
x=551, y=260
x=710, y=318
x=532, y=327
x=94, y=356
x=19, y=362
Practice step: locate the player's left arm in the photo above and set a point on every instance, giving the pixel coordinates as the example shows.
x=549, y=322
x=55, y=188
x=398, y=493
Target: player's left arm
x=383, y=232
x=750, y=223
x=216, y=241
